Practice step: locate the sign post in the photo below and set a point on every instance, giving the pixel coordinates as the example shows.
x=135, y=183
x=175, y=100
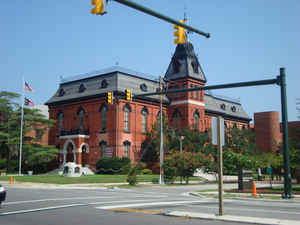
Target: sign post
x=218, y=139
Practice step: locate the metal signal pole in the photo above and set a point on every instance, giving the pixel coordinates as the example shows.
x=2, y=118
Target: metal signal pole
x=161, y=151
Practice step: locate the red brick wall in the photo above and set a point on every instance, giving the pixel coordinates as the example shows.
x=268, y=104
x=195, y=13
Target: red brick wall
x=267, y=131
x=113, y=137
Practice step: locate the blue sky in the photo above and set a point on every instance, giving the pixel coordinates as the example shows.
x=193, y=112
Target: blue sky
x=250, y=40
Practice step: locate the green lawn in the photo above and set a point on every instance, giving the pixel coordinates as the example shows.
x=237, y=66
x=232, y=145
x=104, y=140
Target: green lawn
x=92, y=179
x=295, y=188
x=57, y=179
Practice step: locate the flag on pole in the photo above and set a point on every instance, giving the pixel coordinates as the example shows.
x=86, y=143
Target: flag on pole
x=27, y=87
x=28, y=102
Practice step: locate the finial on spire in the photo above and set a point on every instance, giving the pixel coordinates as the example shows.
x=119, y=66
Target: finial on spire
x=186, y=22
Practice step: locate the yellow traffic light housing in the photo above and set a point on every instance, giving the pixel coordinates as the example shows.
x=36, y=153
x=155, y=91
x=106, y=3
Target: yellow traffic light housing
x=109, y=97
x=128, y=94
x=99, y=7
x=180, y=34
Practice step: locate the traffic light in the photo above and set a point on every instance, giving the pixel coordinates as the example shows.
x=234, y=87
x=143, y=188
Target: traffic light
x=109, y=97
x=180, y=34
x=99, y=7
x=128, y=94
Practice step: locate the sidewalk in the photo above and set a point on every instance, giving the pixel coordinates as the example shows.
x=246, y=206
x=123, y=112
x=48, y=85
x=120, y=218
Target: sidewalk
x=229, y=218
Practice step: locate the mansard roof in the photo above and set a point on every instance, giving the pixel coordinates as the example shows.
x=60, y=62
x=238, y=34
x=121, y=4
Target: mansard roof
x=98, y=83
x=224, y=106
x=185, y=64
x=117, y=79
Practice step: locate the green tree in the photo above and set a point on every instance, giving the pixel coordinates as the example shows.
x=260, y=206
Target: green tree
x=182, y=164
x=294, y=144
x=151, y=145
x=194, y=141
x=10, y=120
x=239, y=151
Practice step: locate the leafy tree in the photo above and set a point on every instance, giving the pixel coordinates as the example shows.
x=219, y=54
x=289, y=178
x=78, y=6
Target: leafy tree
x=294, y=144
x=151, y=146
x=10, y=120
x=194, y=141
x=239, y=151
x=182, y=164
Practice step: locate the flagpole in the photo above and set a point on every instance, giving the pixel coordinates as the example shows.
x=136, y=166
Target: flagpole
x=21, y=132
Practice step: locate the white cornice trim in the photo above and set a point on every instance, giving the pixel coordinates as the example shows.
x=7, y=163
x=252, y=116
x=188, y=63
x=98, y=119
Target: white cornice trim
x=74, y=136
x=189, y=101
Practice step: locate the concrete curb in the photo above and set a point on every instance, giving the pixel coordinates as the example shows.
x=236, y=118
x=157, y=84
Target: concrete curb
x=250, y=199
x=229, y=218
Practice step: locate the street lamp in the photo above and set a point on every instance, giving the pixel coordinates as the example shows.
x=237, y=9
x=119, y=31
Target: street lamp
x=180, y=140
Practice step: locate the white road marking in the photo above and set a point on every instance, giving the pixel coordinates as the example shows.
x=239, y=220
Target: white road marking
x=98, y=203
x=41, y=209
x=149, y=204
x=54, y=199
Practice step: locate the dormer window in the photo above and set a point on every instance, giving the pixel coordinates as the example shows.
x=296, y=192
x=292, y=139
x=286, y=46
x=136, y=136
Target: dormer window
x=233, y=108
x=195, y=66
x=223, y=106
x=61, y=92
x=144, y=87
x=104, y=84
x=81, y=88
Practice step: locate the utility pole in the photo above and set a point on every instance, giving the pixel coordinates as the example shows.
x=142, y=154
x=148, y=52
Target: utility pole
x=220, y=154
x=161, y=151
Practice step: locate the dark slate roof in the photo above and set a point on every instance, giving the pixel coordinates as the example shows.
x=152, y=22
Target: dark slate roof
x=117, y=79
x=185, y=64
x=97, y=83
x=224, y=107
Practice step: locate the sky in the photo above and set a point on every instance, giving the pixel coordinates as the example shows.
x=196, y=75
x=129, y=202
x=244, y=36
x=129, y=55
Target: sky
x=250, y=40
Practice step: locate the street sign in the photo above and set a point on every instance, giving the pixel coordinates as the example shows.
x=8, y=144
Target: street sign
x=214, y=131
x=269, y=170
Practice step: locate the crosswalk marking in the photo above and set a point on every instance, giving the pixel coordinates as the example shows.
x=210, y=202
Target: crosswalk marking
x=149, y=204
x=41, y=209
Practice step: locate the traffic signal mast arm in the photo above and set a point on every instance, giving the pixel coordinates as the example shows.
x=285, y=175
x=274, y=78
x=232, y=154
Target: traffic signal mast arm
x=221, y=86
x=161, y=16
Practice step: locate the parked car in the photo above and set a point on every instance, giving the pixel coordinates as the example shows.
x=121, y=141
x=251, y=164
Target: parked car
x=2, y=194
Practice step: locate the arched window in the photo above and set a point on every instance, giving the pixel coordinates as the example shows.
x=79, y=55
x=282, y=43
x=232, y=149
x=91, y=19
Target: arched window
x=176, y=118
x=103, y=112
x=80, y=114
x=195, y=93
x=126, y=152
x=60, y=117
x=144, y=119
x=196, y=120
x=103, y=145
x=127, y=110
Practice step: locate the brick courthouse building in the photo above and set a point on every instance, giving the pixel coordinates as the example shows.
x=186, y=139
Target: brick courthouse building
x=88, y=128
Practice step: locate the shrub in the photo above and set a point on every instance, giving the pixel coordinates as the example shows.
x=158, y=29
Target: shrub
x=2, y=163
x=113, y=165
x=170, y=174
x=140, y=166
x=146, y=172
x=131, y=178
x=155, y=180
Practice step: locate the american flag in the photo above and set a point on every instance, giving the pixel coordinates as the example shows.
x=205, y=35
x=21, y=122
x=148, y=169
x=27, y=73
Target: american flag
x=27, y=87
x=28, y=102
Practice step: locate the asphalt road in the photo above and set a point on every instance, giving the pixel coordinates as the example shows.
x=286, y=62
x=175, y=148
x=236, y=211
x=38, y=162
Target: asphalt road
x=142, y=206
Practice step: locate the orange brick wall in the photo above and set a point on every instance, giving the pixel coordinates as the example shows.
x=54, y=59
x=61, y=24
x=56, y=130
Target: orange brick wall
x=113, y=137
x=267, y=131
